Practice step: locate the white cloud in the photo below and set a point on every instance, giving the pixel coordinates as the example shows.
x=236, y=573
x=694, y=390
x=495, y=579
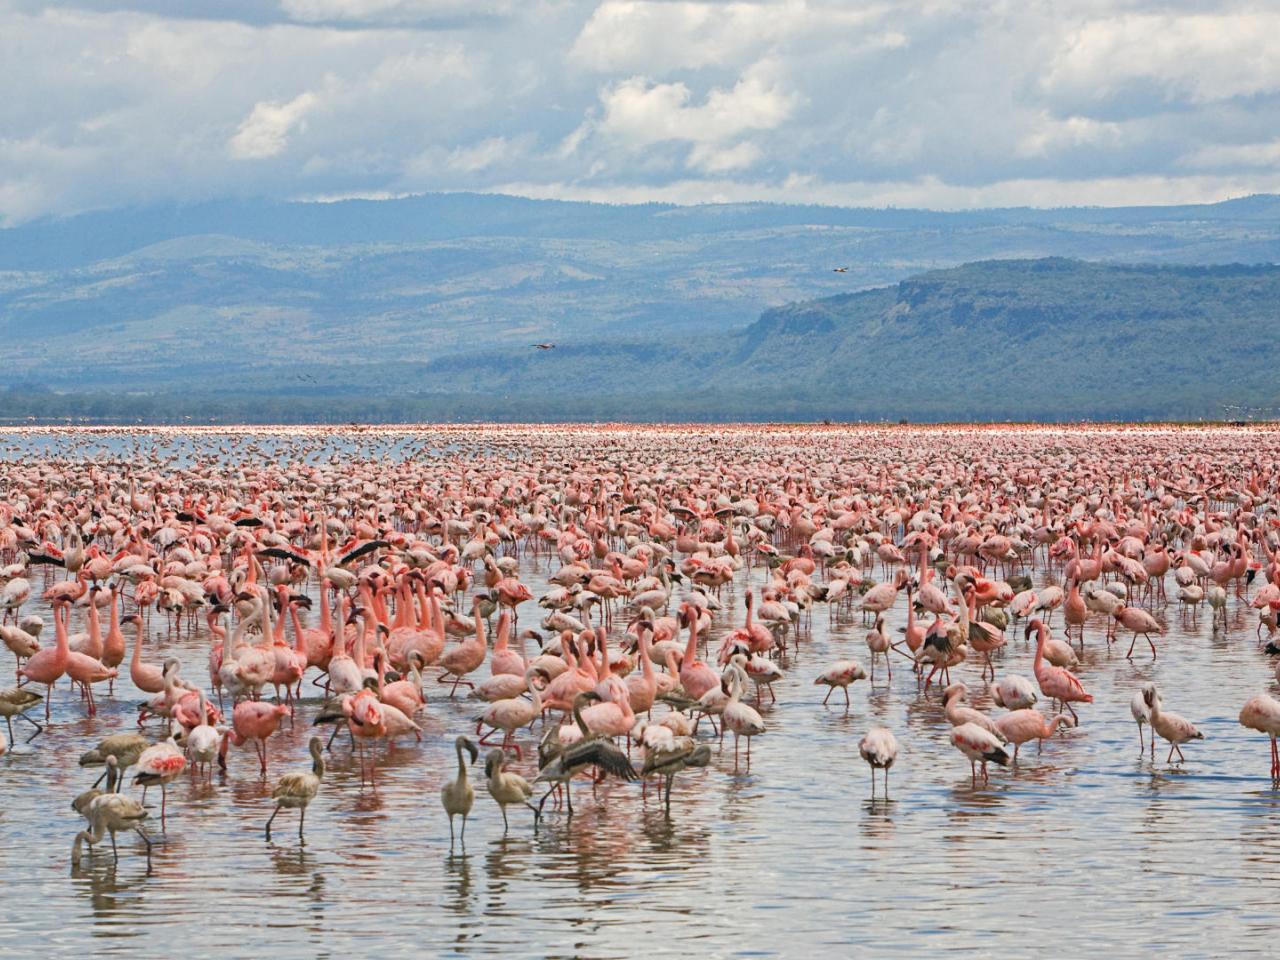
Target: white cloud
x=1235, y=156
x=481, y=156
x=265, y=132
x=654, y=35
x=1052, y=134
x=390, y=11
x=926, y=192
x=641, y=112
x=714, y=159
x=1198, y=58
x=950, y=102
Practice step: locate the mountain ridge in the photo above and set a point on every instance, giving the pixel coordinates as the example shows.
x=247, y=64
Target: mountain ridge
x=443, y=295
x=1045, y=339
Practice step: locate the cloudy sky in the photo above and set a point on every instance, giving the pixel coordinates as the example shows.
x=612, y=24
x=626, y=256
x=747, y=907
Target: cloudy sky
x=940, y=103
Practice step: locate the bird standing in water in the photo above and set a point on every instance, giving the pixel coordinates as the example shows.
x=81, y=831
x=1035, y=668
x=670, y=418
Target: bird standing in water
x=296, y=790
x=110, y=813
x=880, y=749
x=1140, y=709
x=507, y=787
x=458, y=795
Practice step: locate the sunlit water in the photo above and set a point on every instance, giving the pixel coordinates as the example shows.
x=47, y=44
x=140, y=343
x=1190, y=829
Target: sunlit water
x=1084, y=848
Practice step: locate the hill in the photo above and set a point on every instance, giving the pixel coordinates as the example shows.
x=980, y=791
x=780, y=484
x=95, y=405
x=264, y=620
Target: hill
x=371, y=297
x=1042, y=339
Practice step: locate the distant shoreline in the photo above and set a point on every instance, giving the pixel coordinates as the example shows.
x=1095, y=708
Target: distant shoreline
x=62, y=424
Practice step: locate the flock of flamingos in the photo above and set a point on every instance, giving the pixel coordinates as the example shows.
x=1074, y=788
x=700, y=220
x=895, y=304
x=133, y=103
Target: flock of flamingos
x=349, y=588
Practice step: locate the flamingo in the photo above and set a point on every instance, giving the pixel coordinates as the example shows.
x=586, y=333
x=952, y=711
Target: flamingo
x=1013, y=692
x=737, y=716
x=1057, y=683
x=879, y=748
x=507, y=787
x=1140, y=709
x=980, y=746
x=839, y=675
x=458, y=795
x=1140, y=622
x=1019, y=726
x=463, y=658
x=160, y=764
x=1172, y=727
x=296, y=790
x=510, y=715
x=695, y=676
x=48, y=665
x=668, y=755
x=110, y=813
x=252, y=720
x=1262, y=713
x=878, y=643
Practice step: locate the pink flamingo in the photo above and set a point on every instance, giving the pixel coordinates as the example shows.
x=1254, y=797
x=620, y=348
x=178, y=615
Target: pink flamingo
x=1140, y=622
x=504, y=659
x=158, y=765
x=695, y=676
x=1022, y=725
x=1057, y=683
x=737, y=716
x=510, y=715
x=612, y=717
x=48, y=665
x=465, y=657
x=406, y=694
x=113, y=645
x=145, y=676
x=839, y=675
x=252, y=720
x=1262, y=713
x=980, y=746
x=642, y=690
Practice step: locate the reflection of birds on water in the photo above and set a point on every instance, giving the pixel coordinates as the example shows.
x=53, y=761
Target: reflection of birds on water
x=545, y=346
x=459, y=869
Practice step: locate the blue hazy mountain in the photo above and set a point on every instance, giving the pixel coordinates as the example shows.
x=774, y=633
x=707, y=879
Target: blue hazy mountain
x=439, y=298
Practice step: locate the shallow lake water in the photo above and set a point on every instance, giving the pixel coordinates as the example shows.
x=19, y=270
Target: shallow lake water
x=1084, y=848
